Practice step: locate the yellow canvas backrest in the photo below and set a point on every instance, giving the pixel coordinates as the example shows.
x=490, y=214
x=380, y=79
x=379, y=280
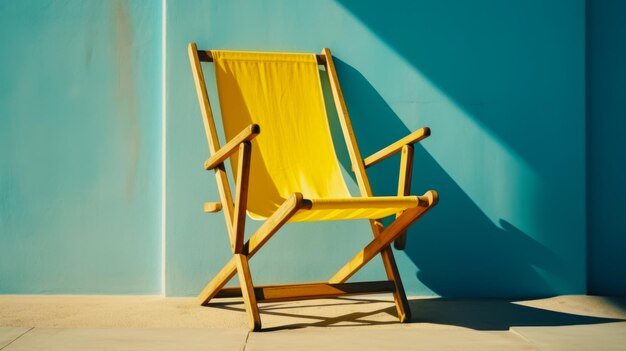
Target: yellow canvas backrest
x=281, y=92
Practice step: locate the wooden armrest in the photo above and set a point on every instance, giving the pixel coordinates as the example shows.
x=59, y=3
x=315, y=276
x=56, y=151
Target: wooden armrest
x=232, y=146
x=396, y=147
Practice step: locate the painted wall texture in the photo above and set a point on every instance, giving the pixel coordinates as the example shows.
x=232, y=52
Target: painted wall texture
x=518, y=137
x=502, y=86
x=80, y=147
x=606, y=119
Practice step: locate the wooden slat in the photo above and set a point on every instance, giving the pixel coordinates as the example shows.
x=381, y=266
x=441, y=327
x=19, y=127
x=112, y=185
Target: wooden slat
x=404, y=186
x=293, y=292
x=207, y=56
x=258, y=239
x=399, y=296
x=394, y=148
x=388, y=235
x=322, y=290
x=241, y=195
x=223, y=153
x=212, y=207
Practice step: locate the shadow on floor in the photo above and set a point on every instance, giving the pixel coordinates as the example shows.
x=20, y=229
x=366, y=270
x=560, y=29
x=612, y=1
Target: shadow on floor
x=278, y=309
x=618, y=302
x=486, y=315
x=493, y=314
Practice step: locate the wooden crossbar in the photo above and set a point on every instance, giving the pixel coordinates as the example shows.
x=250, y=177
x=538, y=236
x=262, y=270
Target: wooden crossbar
x=294, y=292
x=207, y=56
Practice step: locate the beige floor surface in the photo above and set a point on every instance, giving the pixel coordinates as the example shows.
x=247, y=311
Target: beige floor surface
x=156, y=323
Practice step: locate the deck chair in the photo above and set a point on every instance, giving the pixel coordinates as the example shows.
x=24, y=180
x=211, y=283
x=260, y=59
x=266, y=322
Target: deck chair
x=286, y=170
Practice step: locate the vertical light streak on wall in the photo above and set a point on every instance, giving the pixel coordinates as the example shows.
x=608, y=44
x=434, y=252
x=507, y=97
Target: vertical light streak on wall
x=163, y=137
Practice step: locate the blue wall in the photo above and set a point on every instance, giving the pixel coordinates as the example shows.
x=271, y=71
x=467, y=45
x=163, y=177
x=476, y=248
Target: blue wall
x=80, y=147
x=606, y=123
x=500, y=83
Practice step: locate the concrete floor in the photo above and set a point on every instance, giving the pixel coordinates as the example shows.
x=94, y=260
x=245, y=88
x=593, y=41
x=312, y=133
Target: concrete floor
x=155, y=323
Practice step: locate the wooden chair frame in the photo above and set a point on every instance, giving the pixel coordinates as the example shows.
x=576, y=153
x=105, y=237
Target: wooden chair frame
x=234, y=211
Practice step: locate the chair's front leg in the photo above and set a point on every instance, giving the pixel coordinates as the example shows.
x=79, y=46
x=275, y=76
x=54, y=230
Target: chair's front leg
x=247, y=292
x=257, y=240
x=404, y=186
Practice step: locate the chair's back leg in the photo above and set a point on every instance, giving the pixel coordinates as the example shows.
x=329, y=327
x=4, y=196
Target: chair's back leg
x=391, y=269
x=399, y=296
x=380, y=244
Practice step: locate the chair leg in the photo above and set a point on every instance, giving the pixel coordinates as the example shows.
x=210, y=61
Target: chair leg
x=380, y=244
x=393, y=274
x=399, y=295
x=258, y=239
x=247, y=291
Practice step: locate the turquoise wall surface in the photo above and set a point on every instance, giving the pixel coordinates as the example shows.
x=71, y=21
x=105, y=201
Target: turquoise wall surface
x=502, y=86
x=606, y=120
x=524, y=99
x=80, y=146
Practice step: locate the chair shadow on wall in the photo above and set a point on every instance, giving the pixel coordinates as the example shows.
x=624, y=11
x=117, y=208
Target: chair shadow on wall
x=515, y=70
x=456, y=244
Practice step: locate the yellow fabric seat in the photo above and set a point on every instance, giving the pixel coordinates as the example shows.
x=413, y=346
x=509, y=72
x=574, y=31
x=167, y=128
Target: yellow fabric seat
x=356, y=208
